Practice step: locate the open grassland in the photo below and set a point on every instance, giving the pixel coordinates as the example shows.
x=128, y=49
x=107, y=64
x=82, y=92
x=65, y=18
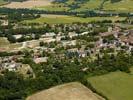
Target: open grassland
x=28, y=4
x=70, y=91
x=121, y=6
x=115, y=85
x=55, y=19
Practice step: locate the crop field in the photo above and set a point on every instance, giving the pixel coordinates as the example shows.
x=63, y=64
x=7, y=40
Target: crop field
x=28, y=4
x=115, y=85
x=70, y=91
x=56, y=19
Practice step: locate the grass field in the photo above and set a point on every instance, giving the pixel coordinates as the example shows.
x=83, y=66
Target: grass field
x=115, y=85
x=123, y=6
x=5, y=44
x=2, y=2
x=54, y=19
x=70, y=91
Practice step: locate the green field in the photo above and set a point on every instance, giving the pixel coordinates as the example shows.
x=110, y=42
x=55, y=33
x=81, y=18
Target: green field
x=115, y=85
x=2, y=2
x=121, y=6
x=55, y=19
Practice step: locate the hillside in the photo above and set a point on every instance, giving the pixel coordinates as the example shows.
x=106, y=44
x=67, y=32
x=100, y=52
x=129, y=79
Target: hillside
x=82, y=5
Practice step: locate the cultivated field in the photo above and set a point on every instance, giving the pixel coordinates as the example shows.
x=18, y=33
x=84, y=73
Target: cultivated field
x=70, y=91
x=115, y=85
x=55, y=19
x=28, y=4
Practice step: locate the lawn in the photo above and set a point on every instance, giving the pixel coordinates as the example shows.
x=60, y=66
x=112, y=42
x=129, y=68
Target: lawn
x=115, y=85
x=56, y=19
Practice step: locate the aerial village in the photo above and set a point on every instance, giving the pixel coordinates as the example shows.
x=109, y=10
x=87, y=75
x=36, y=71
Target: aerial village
x=67, y=42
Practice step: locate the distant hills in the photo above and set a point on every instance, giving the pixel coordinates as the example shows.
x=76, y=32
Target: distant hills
x=111, y=5
x=83, y=5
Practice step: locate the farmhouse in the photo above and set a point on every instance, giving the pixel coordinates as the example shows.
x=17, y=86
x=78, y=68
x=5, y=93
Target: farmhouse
x=40, y=60
x=72, y=34
x=68, y=43
x=17, y=36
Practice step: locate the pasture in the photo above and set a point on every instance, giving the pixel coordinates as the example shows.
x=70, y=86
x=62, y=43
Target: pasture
x=115, y=85
x=69, y=91
x=57, y=19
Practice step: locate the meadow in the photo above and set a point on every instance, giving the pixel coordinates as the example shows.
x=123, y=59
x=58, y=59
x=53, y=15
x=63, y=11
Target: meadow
x=57, y=19
x=115, y=85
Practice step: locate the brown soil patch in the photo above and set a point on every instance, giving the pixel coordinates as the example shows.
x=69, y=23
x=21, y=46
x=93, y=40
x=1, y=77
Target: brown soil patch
x=70, y=91
x=28, y=4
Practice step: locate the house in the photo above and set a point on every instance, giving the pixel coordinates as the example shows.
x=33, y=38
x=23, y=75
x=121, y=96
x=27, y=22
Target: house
x=84, y=33
x=68, y=43
x=105, y=34
x=72, y=34
x=11, y=66
x=17, y=36
x=50, y=34
x=47, y=39
x=4, y=22
x=40, y=60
